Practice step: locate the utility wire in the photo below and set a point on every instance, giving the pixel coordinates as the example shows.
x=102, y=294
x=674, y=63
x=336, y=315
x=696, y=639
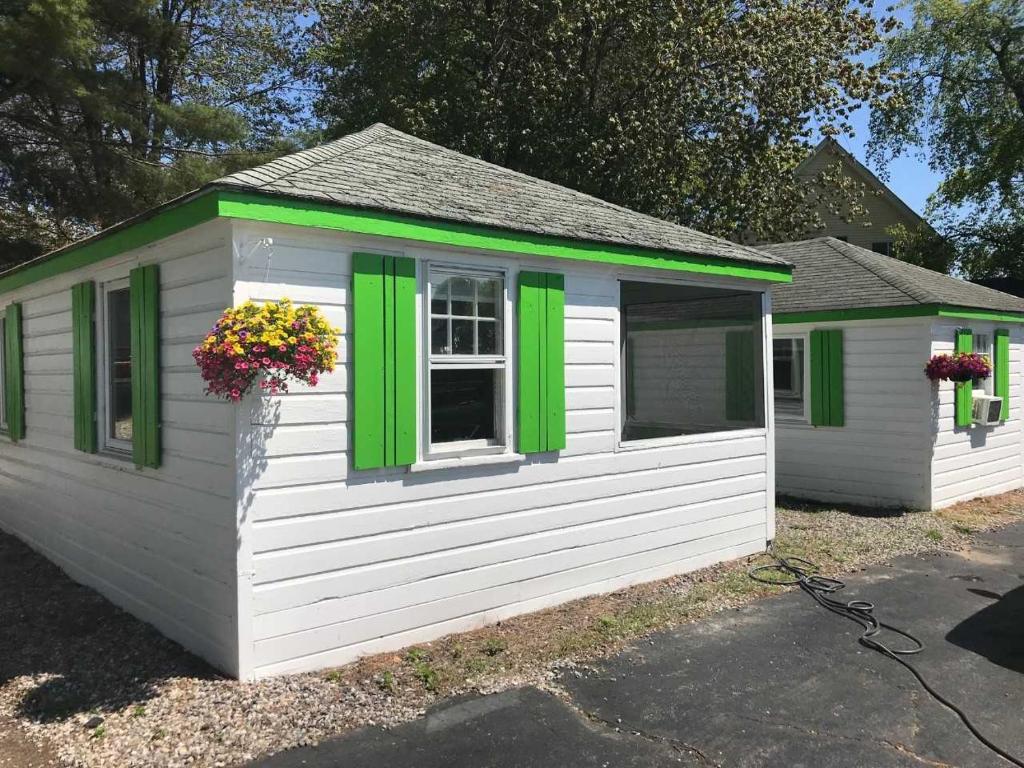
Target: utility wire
x=795, y=571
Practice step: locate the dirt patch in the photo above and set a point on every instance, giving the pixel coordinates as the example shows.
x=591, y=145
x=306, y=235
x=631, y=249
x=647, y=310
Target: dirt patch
x=95, y=687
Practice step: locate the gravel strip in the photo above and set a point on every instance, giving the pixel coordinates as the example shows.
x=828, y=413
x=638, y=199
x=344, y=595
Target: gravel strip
x=82, y=681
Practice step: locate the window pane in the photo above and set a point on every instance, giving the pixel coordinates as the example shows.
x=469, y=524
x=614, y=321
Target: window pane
x=120, y=362
x=462, y=337
x=439, y=298
x=462, y=295
x=488, y=295
x=788, y=368
x=487, y=337
x=679, y=378
x=462, y=404
x=439, y=336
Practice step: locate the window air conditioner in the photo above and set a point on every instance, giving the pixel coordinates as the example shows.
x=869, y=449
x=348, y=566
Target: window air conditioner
x=987, y=410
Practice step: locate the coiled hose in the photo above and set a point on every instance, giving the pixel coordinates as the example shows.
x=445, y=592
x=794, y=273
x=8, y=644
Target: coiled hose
x=795, y=571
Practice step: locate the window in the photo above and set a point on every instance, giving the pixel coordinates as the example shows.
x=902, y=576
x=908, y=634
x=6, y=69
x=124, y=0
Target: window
x=982, y=344
x=3, y=378
x=843, y=238
x=117, y=366
x=467, y=371
x=883, y=247
x=789, y=368
x=691, y=360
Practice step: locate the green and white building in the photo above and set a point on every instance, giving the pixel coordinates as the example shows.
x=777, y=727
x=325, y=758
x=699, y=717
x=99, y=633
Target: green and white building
x=539, y=396
x=856, y=418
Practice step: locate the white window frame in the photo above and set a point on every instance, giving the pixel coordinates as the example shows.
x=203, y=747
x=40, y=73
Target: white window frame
x=503, y=398
x=981, y=343
x=111, y=445
x=805, y=417
x=3, y=375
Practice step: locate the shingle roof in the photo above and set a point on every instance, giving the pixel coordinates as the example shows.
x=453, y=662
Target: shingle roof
x=384, y=169
x=830, y=274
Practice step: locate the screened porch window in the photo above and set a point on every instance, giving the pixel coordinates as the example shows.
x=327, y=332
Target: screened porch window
x=467, y=365
x=788, y=368
x=691, y=360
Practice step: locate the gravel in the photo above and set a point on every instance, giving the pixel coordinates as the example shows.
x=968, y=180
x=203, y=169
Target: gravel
x=86, y=684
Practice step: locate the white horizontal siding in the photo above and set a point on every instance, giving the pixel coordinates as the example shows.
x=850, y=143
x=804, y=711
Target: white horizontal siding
x=976, y=461
x=881, y=455
x=345, y=562
x=160, y=543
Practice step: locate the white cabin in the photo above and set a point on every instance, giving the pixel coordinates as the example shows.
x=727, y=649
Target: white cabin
x=580, y=401
x=857, y=419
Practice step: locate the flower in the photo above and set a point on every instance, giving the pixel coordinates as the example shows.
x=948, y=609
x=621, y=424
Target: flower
x=271, y=345
x=959, y=367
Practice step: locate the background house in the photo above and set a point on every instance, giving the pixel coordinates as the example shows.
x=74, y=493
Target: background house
x=857, y=420
x=884, y=208
x=508, y=428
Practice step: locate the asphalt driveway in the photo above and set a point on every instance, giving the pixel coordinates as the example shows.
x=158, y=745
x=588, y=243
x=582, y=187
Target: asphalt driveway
x=780, y=682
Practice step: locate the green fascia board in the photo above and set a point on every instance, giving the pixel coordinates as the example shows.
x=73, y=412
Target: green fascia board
x=207, y=204
x=883, y=313
x=133, y=233
x=276, y=209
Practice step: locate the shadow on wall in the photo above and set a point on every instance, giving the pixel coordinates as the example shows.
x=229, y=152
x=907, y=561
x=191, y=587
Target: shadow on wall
x=83, y=653
x=996, y=631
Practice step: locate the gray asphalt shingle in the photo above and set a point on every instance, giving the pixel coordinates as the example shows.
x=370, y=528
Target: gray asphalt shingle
x=384, y=169
x=830, y=274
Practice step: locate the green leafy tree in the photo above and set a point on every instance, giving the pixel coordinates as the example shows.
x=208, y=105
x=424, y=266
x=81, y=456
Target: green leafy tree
x=108, y=107
x=960, y=98
x=697, y=112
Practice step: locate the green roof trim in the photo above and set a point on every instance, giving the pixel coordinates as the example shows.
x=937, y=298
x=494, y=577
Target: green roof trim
x=177, y=216
x=281, y=210
x=134, y=233
x=883, y=313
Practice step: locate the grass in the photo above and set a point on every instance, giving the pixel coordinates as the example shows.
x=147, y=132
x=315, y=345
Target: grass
x=839, y=540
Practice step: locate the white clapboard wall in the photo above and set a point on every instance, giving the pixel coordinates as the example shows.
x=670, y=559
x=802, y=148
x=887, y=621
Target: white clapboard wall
x=882, y=455
x=980, y=460
x=160, y=543
x=338, y=563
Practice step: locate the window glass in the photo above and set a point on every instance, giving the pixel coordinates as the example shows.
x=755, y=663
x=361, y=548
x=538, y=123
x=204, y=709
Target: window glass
x=788, y=371
x=883, y=247
x=463, y=404
x=119, y=367
x=467, y=366
x=691, y=360
x=982, y=344
x=464, y=315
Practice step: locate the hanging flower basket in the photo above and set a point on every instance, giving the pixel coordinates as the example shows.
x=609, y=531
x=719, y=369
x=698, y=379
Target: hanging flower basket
x=273, y=344
x=960, y=367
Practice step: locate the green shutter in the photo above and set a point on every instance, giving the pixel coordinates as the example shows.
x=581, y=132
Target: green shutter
x=384, y=358
x=14, y=373
x=740, y=368
x=144, y=292
x=83, y=308
x=1001, y=363
x=541, y=362
x=964, y=342
x=827, y=394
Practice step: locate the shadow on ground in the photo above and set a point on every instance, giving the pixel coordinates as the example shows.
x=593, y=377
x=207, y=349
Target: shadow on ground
x=86, y=654
x=996, y=631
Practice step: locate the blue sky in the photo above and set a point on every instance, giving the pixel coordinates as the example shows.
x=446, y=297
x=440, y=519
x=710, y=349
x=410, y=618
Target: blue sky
x=909, y=175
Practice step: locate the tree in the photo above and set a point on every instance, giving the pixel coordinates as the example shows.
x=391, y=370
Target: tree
x=696, y=112
x=960, y=96
x=108, y=107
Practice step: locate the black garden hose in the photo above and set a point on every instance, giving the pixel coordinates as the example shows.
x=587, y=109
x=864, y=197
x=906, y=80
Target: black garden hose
x=795, y=571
